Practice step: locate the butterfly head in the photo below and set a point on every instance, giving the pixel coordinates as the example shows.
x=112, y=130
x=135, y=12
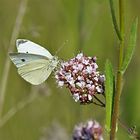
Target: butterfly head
x=54, y=62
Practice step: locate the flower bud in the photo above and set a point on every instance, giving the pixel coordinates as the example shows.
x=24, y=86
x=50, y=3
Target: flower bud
x=91, y=130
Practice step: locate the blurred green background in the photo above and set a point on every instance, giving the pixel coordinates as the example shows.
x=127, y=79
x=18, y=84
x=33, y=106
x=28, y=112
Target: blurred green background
x=53, y=114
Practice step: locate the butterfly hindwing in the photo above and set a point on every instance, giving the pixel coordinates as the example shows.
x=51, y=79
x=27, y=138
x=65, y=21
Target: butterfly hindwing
x=26, y=46
x=33, y=68
x=35, y=72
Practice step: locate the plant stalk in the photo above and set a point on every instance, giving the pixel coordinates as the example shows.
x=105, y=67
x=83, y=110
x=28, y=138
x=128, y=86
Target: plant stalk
x=14, y=110
x=15, y=33
x=118, y=91
x=81, y=25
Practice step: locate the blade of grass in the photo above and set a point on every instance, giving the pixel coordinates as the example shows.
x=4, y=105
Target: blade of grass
x=109, y=88
x=131, y=46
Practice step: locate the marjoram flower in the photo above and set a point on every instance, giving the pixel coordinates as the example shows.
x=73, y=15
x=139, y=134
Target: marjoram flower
x=91, y=130
x=80, y=75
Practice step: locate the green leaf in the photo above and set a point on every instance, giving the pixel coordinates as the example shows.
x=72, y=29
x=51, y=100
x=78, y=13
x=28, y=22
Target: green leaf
x=131, y=46
x=116, y=27
x=109, y=88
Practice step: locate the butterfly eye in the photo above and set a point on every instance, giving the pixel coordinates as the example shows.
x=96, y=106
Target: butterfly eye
x=23, y=60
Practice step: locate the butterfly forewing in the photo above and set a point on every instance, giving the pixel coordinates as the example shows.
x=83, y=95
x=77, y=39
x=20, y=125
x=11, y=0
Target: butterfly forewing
x=26, y=46
x=21, y=59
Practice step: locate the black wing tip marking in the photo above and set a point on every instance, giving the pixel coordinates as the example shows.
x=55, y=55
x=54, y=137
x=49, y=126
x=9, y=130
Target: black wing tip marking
x=20, y=41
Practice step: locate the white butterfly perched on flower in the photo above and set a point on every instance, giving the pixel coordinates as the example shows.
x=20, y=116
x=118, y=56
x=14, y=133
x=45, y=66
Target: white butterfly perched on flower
x=34, y=63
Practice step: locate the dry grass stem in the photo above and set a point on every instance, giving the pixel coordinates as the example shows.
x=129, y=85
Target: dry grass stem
x=15, y=33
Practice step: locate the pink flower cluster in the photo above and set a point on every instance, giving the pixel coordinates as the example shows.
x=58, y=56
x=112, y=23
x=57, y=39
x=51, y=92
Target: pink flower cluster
x=91, y=130
x=80, y=75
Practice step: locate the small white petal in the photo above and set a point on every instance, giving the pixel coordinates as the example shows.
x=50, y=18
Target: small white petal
x=78, y=84
x=89, y=57
x=101, y=138
x=79, y=56
x=80, y=66
x=89, y=81
x=56, y=76
x=61, y=83
x=72, y=83
x=71, y=62
x=89, y=97
x=102, y=78
x=96, y=125
x=94, y=58
x=92, y=88
x=68, y=76
x=81, y=84
x=86, y=62
x=95, y=66
x=99, y=89
x=84, y=95
x=89, y=124
x=75, y=67
x=89, y=69
x=88, y=85
x=95, y=78
x=61, y=72
x=75, y=71
x=80, y=78
x=76, y=97
x=64, y=64
x=70, y=79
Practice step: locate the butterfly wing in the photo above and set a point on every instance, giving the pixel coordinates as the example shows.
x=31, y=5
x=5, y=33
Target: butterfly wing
x=35, y=69
x=26, y=46
x=21, y=59
x=36, y=72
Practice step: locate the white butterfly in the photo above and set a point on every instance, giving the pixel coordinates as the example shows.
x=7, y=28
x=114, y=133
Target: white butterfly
x=34, y=62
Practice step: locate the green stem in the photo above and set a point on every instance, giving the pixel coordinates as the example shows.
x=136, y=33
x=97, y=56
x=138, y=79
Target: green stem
x=80, y=26
x=98, y=104
x=115, y=114
x=102, y=104
x=14, y=110
x=80, y=40
x=130, y=130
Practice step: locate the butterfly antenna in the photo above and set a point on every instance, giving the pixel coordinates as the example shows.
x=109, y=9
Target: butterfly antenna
x=60, y=48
